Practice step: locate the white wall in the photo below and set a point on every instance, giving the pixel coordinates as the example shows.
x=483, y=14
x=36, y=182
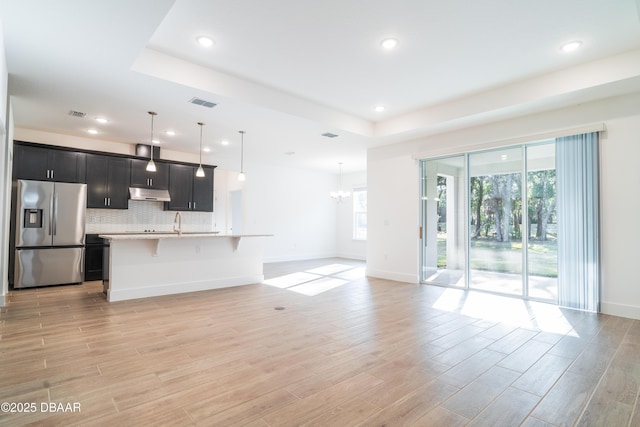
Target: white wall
x=293, y=205
x=392, y=249
x=6, y=155
x=347, y=247
x=392, y=223
x=619, y=210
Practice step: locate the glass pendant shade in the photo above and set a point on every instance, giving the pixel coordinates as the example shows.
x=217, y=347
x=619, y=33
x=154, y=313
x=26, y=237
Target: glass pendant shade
x=151, y=165
x=200, y=172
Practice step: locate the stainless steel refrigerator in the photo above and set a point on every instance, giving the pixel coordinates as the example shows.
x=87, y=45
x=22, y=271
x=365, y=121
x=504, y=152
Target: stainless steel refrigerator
x=50, y=219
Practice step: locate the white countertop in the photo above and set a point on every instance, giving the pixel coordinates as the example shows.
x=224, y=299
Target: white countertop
x=175, y=235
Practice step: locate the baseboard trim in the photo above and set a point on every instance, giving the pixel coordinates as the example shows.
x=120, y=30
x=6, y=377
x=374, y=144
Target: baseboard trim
x=352, y=256
x=392, y=275
x=622, y=310
x=181, y=288
x=298, y=258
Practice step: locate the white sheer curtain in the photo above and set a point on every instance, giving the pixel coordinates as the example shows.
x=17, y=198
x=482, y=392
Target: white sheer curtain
x=578, y=222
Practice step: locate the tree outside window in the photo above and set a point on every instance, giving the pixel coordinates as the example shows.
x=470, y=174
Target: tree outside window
x=360, y=214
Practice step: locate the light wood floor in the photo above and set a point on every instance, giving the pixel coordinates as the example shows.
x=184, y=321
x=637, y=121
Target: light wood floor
x=363, y=352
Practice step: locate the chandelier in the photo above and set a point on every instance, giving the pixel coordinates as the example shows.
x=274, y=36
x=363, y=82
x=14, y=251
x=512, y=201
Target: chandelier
x=340, y=195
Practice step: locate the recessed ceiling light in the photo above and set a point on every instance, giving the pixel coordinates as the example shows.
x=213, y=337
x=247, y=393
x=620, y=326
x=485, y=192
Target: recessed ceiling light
x=92, y=131
x=206, y=149
x=170, y=132
x=224, y=142
x=204, y=41
x=571, y=46
x=379, y=108
x=389, y=43
x=155, y=141
x=101, y=120
x=503, y=157
x=290, y=153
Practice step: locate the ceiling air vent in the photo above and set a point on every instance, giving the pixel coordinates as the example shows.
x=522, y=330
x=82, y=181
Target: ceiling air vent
x=329, y=135
x=199, y=101
x=77, y=114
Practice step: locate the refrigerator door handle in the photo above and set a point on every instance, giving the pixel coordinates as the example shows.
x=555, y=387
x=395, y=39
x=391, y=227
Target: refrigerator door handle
x=51, y=215
x=54, y=212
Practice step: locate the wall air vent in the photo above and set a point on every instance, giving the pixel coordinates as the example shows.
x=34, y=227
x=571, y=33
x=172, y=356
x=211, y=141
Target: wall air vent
x=329, y=135
x=199, y=101
x=79, y=114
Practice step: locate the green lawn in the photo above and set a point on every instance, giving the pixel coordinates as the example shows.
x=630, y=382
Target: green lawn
x=506, y=257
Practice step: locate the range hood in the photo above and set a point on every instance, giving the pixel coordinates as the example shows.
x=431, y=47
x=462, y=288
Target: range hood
x=149, y=194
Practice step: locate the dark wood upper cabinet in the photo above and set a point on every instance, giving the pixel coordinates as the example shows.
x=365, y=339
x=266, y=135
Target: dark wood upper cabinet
x=109, y=176
x=203, y=190
x=189, y=192
x=180, y=188
x=46, y=164
x=140, y=177
x=107, y=182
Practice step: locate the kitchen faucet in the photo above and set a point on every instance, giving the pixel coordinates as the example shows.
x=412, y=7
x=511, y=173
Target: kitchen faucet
x=177, y=218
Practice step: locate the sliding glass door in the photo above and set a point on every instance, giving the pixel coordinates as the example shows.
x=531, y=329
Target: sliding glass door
x=443, y=221
x=495, y=247
x=542, y=237
x=490, y=222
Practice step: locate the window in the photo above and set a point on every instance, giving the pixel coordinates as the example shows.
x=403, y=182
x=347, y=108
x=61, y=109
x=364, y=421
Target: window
x=360, y=214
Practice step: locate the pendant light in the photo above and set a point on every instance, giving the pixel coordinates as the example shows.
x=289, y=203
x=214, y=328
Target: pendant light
x=241, y=176
x=151, y=166
x=200, y=171
x=340, y=195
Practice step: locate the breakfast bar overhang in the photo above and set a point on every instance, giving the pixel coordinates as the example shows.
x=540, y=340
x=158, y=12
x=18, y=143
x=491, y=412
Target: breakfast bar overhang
x=146, y=265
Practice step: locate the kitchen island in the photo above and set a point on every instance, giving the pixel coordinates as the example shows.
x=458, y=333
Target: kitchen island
x=143, y=265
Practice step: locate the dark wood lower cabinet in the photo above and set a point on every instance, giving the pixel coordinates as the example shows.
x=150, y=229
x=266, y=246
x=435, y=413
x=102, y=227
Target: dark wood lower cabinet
x=93, y=257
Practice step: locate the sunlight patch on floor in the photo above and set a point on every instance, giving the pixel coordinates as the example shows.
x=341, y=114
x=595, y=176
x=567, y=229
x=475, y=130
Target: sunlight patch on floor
x=330, y=269
x=318, y=286
x=317, y=280
x=292, y=279
x=353, y=274
x=527, y=314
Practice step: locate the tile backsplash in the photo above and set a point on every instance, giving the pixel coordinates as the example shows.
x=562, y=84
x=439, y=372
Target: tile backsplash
x=144, y=215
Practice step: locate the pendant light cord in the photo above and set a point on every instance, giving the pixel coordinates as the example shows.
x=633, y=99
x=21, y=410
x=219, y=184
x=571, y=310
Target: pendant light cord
x=241, y=151
x=201, y=124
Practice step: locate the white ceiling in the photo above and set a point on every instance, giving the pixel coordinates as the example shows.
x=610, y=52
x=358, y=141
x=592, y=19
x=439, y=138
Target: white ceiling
x=287, y=71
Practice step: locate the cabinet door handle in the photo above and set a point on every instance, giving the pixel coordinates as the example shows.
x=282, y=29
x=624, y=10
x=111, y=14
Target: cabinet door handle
x=151, y=182
x=194, y=206
x=105, y=201
x=189, y=205
x=48, y=174
x=108, y=201
x=51, y=173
